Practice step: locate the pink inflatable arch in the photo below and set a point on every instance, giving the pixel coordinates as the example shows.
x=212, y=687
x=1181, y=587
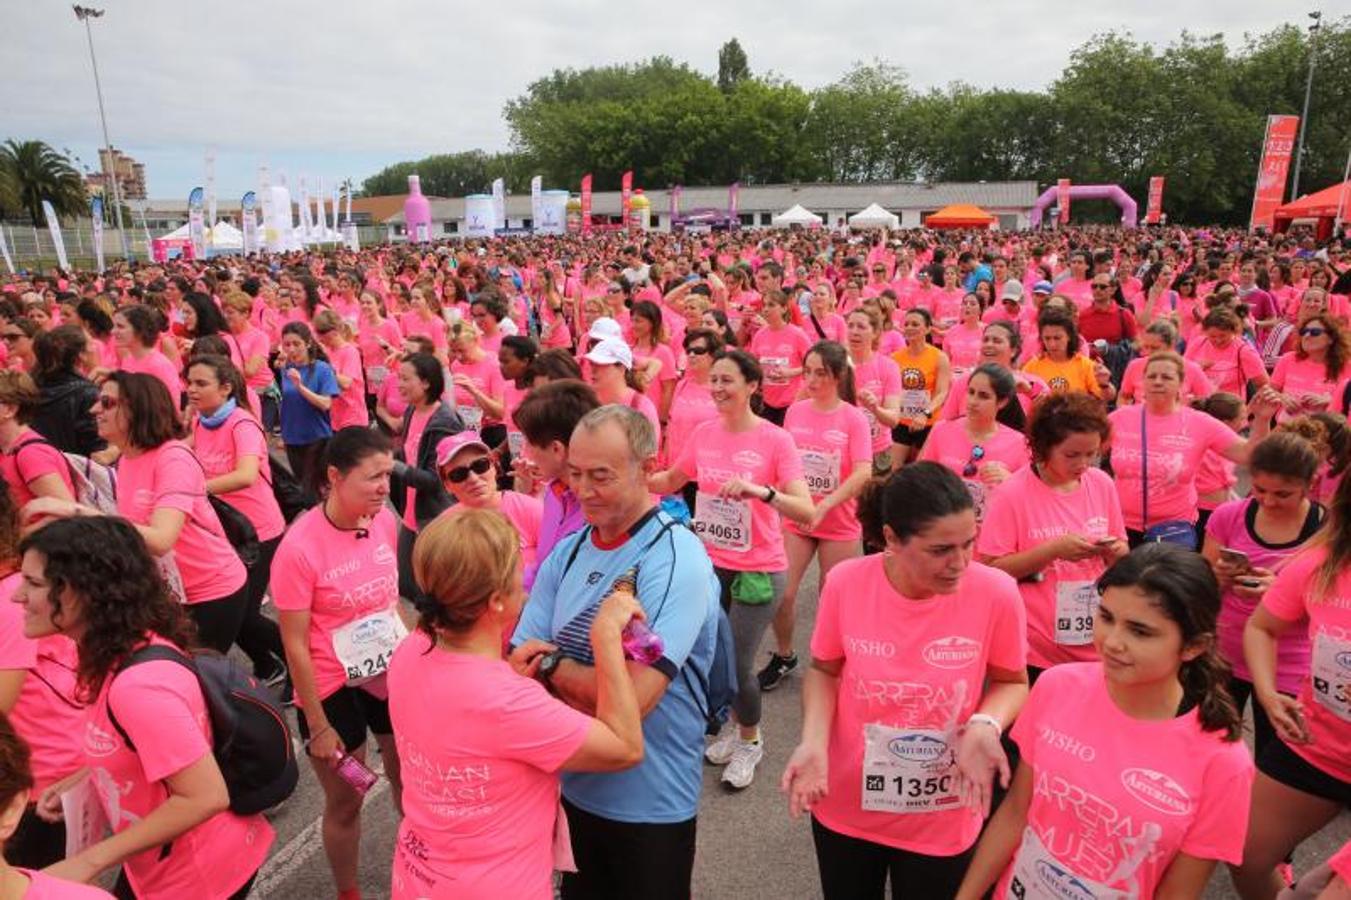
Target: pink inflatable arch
x=1088, y=192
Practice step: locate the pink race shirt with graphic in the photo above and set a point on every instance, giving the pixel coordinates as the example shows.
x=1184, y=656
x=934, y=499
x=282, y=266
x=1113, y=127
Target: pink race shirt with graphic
x=831, y=446
x=882, y=377
x=219, y=451
x=1026, y=513
x=1177, y=443
x=780, y=348
x=741, y=535
x=1326, y=693
x=486, y=375
x=479, y=800
x=1229, y=368
x=170, y=477
x=1115, y=799
x=1306, y=380
x=31, y=458
x=159, y=705
x=962, y=345
x=157, y=364
x=949, y=444
x=349, y=407
x=1195, y=386
x=337, y=577
x=917, y=667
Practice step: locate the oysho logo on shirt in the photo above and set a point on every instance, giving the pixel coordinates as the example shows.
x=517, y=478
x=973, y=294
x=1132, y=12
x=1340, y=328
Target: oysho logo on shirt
x=98, y=742
x=1157, y=791
x=953, y=652
x=1062, y=883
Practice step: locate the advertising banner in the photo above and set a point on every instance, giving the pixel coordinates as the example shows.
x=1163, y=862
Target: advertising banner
x=1277, y=148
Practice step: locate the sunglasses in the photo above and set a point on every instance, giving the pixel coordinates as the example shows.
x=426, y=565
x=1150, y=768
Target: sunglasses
x=109, y=402
x=11, y=336
x=480, y=466
x=1312, y=332
x=1101, y=287
x=977, y=454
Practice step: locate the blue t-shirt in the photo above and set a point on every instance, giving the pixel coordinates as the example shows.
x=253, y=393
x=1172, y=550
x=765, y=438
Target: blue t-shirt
x=679, y=593
x=301, y=421
x=980, y=273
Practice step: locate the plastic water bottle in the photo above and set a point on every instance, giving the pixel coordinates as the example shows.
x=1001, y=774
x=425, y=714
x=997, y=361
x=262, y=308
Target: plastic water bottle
x=356, y=773
x=640, y=643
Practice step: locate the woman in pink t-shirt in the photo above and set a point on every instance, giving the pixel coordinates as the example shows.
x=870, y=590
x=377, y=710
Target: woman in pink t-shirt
x=917, y=666
x=29, y=463
x=1312, y=378
x=21, y=877
x=962, y=341
x=1001, y=344
x=147, y=738
x=748, y=472
x=831, y=435
x=377, y=338
x=248, y=343
x=334, y=334
x=609, y=367
x=479, y=391
x=495, y=843
x=1228, y=360
x=467, y=470
x=136, y=331
x=424, y=318
x=877, y=383
x=779, y=346
x=1159, y=336
x=692, y=403
x=1134, y=779
x=1304, y=778
x=654, y=365
x=823, y=323
x=335, y=582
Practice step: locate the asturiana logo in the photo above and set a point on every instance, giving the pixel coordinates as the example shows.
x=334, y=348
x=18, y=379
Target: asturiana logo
x=1062, y=882
x=917, y=747
x=1157, y=791
x=953, y=652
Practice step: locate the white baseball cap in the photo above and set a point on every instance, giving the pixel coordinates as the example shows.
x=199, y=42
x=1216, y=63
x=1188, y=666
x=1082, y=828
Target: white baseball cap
x=611, y=351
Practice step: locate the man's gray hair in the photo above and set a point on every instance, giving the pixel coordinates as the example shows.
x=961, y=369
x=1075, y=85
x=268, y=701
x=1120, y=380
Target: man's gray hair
x=642, y=437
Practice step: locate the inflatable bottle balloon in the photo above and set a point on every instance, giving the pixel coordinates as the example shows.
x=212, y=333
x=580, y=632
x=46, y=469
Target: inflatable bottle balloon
x=417, y=213
x=574, y=215
x=640, y=213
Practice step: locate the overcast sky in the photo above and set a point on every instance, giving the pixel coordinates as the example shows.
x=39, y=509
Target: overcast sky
x=344, y=87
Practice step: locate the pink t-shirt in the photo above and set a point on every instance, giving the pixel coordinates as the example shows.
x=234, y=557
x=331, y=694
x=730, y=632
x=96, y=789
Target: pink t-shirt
x=47, y=715
x=373, y=354
x=157, y=364
x=31, y=458
x=691, y=406
x=831, y=445
x=666, y=371
x=219, y=451
x=915, y=668
x=785, y=348
x=42, y=886
x=1177, y=443
x=831, y=328
x=882, y=376
x=962, y=345
x=170, y=477
x=479, y=800
x=1025, y=513
x=432, y=327
x=1229, y=369
x=949, y=444
x=1326, y=699
x=349, y=406
x=159, y=705
x=389, y=395
x=1228, y=526
x=248, y=345
x=486, y=375
x=741, y=535
x=523, y=512
x=1080, y=290
x=1195, y=386
x=1030, y=389
x=1115, y=799
x=412, y=441
x=1305, y=379
x=337, y=576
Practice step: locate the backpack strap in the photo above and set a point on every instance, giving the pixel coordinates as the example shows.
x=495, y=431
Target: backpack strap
x=149, y=653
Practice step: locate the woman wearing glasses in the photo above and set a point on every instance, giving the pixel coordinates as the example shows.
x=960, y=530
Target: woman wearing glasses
x=469, y=475
x=692, y=403
x=18, y=335
x=1312, y=377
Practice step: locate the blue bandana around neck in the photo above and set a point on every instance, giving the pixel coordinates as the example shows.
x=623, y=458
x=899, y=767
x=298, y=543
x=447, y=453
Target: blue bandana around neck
x=217, y=418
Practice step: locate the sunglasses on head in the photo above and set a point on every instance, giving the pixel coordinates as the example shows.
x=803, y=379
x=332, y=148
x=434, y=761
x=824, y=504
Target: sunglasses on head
x=480, y=466
x=977, y=454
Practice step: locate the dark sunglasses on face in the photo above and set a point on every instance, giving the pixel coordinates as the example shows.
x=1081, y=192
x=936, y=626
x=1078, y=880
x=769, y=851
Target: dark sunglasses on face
x=1312, y=332
x=480, y=466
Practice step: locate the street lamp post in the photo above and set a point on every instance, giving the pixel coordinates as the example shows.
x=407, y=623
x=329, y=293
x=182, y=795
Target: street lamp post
x=84, y=14
x=1317, y=17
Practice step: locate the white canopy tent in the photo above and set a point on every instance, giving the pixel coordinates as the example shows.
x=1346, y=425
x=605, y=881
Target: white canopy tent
x=874, y=217
x=798, y=215
x=225, y=236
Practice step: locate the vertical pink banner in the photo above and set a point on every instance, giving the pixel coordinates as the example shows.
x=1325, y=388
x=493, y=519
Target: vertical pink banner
x=1154, y=210
x=586, y=204
x=1062, y=200
x=1277, y=148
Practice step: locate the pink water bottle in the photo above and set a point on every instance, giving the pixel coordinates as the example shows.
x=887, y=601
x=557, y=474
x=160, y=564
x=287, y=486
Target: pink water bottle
x=356, y=773
x=640, y=643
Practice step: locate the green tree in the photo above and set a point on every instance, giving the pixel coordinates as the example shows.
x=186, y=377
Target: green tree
x=860, y=127
x=453, y=174
x=30, y=172
x=733, y=66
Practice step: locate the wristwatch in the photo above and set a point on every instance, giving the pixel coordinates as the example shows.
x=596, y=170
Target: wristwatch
x=548, y=664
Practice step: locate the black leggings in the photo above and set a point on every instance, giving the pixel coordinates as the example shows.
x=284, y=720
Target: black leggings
x=218, y=621
x=259, y=637
x=36, y=843
x=307, y=465
x=855, y=869
x=621, y=860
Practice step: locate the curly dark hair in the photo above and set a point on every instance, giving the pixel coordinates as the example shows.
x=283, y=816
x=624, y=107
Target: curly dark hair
x=103, y=560
x=1057, y=416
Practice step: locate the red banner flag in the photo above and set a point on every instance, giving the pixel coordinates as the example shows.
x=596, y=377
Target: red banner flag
x=1277, y=148
x=1155, y=208
x=586, y=204
x=625, y=194
x=1062, y=200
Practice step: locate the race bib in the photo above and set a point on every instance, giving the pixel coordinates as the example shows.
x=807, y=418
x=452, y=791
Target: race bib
x=472, y=416
x=773, y=364
x=515, y=441
x=908, y=770
x=365, y=646
x=915, y=404
x=376, y=375
x=722, y=522
x=1075, y=603
x=1037, y=875
x=1331, y=675
x=821, y=470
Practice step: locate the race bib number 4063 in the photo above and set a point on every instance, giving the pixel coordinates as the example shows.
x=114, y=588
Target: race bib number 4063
x=722, y=522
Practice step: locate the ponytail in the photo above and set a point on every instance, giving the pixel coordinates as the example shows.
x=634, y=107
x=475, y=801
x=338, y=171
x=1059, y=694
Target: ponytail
x=1205, y=685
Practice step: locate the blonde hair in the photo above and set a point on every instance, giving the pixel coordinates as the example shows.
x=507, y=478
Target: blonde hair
x=461, y=561
x=328, y=320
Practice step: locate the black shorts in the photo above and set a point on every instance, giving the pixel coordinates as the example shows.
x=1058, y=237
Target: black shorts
x=909, y=436
x=352, y=712
x=1280, y=763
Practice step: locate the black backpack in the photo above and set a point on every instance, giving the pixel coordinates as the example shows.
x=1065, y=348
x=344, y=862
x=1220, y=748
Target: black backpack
x=249, y=735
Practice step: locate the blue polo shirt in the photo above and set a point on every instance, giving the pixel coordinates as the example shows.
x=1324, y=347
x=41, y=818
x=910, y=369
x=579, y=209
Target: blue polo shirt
x=301, y=421
x=679, y=593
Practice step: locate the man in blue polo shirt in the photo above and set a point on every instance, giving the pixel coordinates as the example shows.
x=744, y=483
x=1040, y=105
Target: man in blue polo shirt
x=632, y=831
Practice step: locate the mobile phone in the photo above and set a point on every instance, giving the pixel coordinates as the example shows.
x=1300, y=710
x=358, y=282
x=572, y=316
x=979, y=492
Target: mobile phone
x=1235, y=558
x=1248, y=582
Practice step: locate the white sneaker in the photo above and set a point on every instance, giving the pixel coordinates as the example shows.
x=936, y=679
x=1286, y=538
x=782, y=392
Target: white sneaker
x=720, y=752
x=741, y=770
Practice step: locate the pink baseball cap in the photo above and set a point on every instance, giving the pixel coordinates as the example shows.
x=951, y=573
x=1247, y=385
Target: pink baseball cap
x=449, y=446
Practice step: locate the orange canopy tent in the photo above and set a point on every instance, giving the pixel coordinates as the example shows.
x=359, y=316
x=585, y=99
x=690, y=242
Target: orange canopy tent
x=1321, y=206
x=960, y=215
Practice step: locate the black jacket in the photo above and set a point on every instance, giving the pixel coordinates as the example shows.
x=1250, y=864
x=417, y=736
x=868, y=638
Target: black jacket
x=65, y=413
x=430, y=498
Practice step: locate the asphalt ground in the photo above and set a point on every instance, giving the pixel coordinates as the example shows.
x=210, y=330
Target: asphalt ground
x=748, y=846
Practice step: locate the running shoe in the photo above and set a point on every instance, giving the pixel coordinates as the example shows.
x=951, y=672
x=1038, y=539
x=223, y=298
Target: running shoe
x=720, y=752
x=741, y=770
x=776, y=670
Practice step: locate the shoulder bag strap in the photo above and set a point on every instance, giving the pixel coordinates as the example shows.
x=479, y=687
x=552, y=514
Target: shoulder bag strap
x=1144, y=472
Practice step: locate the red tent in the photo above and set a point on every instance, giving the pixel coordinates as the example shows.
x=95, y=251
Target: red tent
x=1321, y=206
x=960, y=215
